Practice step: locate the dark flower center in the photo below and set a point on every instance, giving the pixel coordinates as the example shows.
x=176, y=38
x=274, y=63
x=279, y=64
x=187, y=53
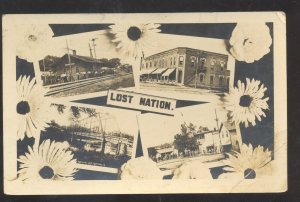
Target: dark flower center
x=245, y=101
x=32, y=37
x=23, y=107
x=249, y=173
x=46, y=172
x=134, y=33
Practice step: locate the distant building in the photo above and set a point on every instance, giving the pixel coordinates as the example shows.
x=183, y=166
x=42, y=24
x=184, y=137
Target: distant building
x=72, y=67
x=80, y=65
x=227, y=137
x=187, y=66
x=209, y=142
x=229, y=131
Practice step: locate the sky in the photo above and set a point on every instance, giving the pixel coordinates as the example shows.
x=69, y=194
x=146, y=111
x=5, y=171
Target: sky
x=57, y=46
x=112, y=119
x=158, y=129
x=106, y=49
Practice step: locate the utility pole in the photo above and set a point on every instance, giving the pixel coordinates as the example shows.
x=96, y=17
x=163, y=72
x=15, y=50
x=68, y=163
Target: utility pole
x=94, y=45
x=103, y=135
x=44, y=70
x=196, y=66
x=69, y=59
x=91, y=53
x=217, y=120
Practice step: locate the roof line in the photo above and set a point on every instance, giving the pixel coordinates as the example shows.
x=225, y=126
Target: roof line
x=186, y=49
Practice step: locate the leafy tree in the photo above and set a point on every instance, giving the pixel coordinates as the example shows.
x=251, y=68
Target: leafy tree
x=114, y=62
x=152, y=152
x=105, y=60
x=49, y=60
x=185, y=139
x=60, y=107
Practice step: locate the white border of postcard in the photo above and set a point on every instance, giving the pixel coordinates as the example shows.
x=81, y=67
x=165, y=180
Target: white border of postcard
x=276, y=183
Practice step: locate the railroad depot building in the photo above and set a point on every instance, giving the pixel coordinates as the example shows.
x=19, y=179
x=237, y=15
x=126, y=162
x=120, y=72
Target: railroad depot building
x=187, y=66
x=72, y=67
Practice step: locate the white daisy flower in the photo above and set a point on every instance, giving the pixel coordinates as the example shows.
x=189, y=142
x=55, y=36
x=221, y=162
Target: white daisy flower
x=192, y=170
x=248, y=164
x=31, y=108
x=250, y=41
x=245, y=103
x=32, y=40
x=141, y=168
x=49, y=161
x=133, y=40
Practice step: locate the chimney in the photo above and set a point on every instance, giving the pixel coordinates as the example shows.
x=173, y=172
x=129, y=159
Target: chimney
x=74, y=52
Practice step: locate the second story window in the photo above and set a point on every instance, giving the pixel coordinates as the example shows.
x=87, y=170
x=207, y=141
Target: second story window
x=212, y=62
x=222, y=63
x=147, y=65
x=193, y=61
x=181, y=60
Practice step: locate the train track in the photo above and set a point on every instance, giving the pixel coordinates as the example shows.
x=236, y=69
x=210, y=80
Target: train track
x=58, y=88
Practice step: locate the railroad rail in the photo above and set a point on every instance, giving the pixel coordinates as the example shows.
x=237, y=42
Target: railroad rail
x=61, y=87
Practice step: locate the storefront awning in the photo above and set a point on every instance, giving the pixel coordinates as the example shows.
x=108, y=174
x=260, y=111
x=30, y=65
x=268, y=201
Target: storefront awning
x=168, y=72
x=147, y=71
x=159, y=71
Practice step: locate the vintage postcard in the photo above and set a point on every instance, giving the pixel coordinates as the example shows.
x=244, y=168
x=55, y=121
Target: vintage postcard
x=144, y=103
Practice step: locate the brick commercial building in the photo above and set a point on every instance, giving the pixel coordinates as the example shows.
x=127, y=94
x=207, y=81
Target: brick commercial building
x=187, y=66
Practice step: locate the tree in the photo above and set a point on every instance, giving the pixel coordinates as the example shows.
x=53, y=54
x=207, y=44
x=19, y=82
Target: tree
x=152, y=152
x=185, y=140
x=105, y=61
x=49, y=60
x=114, y=62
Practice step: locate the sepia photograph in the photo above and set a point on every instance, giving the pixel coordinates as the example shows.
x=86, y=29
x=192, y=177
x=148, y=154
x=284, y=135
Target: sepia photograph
x=188, y=65
x=75, y=64
x=204, y=142
x=97, y=137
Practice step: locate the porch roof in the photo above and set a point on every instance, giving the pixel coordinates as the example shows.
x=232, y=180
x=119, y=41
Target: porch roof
x=168, y=72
